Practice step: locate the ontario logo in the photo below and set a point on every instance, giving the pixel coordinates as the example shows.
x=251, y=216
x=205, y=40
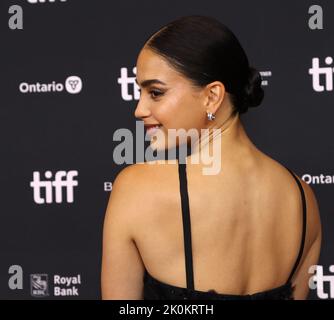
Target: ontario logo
x=39, y=285
x=72, y=85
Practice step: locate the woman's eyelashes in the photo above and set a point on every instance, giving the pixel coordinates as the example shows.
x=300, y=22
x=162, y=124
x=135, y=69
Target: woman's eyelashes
x=155, y=93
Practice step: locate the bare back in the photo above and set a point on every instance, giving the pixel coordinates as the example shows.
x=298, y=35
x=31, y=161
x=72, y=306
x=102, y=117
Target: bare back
x=246, y=226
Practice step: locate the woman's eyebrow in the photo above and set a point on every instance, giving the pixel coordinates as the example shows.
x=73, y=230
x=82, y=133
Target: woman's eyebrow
x=148, y=82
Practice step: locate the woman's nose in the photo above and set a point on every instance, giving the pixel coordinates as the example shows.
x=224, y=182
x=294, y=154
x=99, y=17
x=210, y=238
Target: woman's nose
x=141, y=111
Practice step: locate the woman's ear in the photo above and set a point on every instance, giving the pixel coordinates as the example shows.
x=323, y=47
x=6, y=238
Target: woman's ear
x=215, y=94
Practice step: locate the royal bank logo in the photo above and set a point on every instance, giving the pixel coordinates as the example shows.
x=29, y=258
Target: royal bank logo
x=39, y=285
x=72, y=85
x=322, y=77
x=66, y=286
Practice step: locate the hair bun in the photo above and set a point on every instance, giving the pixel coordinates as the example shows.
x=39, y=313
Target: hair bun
x=253, y=93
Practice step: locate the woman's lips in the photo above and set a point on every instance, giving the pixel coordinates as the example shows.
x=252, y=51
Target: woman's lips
x=151, y=129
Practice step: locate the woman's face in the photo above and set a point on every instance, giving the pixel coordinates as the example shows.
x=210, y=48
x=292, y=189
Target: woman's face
x=172, y=104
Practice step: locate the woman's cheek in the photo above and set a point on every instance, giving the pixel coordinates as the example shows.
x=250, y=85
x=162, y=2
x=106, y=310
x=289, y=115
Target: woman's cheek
x=165, y=115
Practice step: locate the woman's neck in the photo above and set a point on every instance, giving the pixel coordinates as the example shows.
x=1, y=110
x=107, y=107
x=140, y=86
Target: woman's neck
x=218, y=143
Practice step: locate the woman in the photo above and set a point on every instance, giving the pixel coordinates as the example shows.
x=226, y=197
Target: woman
x=249, y=232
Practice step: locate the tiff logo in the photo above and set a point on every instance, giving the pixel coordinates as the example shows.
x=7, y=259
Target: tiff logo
x=58, y=183
x=125, y=81
x=316, y=71
x=318, y=279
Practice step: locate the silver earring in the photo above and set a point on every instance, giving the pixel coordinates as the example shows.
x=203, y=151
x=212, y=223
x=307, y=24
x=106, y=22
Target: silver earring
x=210, y=116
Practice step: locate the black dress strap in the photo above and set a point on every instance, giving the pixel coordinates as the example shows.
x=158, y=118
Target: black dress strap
x=186, y=224
x=304, y=226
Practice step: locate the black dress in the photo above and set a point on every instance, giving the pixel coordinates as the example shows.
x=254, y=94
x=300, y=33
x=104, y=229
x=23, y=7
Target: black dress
x=155, y=289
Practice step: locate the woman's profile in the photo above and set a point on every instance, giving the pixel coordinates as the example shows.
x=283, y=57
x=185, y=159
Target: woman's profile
x=252, y=231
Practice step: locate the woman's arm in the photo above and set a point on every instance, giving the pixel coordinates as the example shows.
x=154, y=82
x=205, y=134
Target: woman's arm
x=312, y=244
x=122, y=267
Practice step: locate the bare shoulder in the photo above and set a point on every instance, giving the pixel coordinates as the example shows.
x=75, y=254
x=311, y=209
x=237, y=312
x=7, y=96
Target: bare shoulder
x=312, y=212
x=150, y=174
x=137, y=189
x=279, y=173
x=313, y=238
